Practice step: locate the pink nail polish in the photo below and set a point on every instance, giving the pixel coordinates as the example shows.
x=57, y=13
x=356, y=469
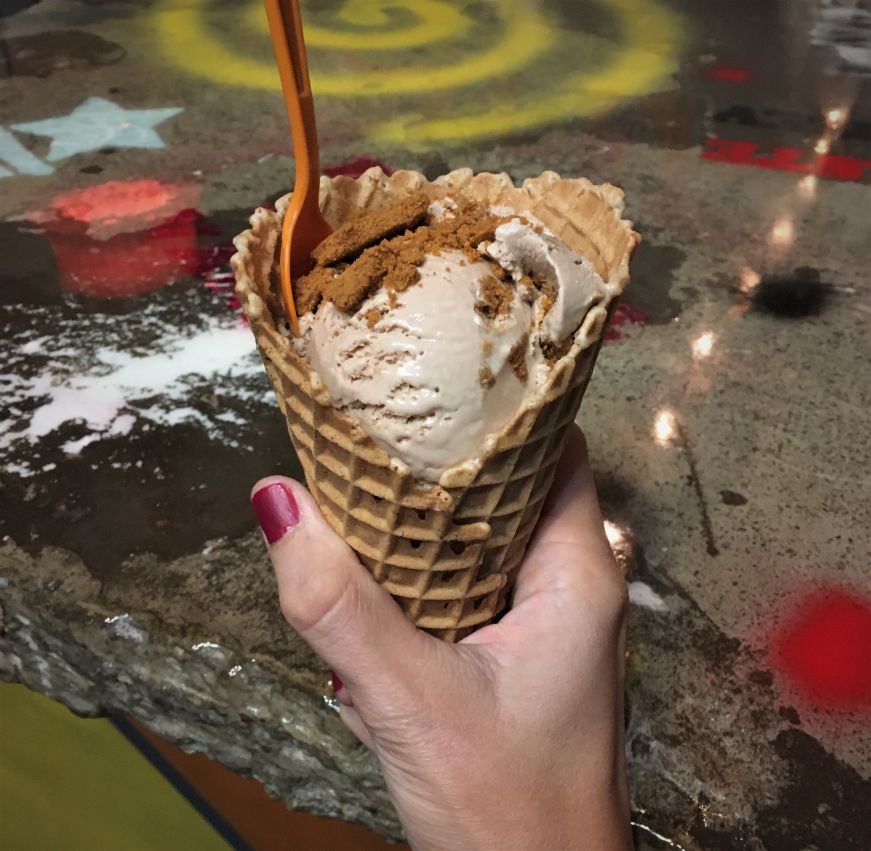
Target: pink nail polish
x=276, y=510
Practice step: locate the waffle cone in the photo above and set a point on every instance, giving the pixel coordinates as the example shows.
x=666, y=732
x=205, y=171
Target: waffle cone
x=447, y=552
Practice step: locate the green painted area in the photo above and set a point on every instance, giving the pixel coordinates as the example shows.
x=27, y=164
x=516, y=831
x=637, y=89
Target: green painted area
x=73, y=784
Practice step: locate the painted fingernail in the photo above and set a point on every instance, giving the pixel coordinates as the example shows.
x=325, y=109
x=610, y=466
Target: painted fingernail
x=338, y=685
x=276, y=510
x=336, y=682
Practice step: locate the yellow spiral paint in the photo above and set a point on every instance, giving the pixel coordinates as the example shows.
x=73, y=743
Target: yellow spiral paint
x=434, y=22
x=198, y=51
x=647, y=55
x=639, y=63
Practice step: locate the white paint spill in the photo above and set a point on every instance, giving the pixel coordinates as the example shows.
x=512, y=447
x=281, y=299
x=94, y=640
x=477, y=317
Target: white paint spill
x=641, y=594
x=40, y=346
x=844, y=27
x=75, y=447
x=107, y=390
x=18, y=469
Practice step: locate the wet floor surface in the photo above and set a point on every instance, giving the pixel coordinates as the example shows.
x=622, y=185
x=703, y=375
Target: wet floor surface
x=727, y=417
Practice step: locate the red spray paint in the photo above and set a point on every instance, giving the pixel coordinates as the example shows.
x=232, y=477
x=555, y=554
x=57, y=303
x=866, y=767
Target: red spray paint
x=823, y=649
x=827, y=166
x=624, y=314
x=122, y=238
x=728, y=74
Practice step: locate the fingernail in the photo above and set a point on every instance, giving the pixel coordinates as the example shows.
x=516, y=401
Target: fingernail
x=336, y=682
x=276, y=510
x=338, y=685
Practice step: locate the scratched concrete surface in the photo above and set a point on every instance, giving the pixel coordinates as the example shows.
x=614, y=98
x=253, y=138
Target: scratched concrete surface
x=727, y=417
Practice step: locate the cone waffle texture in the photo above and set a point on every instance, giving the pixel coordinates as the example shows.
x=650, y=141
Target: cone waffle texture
x=447, y=552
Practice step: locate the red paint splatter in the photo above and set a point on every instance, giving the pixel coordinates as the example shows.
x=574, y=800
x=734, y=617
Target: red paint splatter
x=221, y=282
x=728, y=74
x=128, y=264
x=122, y=238
x=623, y=315
x=824, y=649
x=356, y=167
x=121, y=204
x=827, y=166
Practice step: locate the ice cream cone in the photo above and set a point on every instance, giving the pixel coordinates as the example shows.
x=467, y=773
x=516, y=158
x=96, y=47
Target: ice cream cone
x=447, y=552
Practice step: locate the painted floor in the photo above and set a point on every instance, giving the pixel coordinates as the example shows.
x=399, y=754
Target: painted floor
x=74, y=783
x=70, y=784
x=727, y=417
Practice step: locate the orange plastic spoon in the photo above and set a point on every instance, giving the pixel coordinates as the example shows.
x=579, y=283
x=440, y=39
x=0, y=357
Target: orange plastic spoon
x=304, y=227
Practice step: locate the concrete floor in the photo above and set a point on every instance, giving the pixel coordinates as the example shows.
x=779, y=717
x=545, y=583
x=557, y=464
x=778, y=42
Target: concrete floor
x=728, y=416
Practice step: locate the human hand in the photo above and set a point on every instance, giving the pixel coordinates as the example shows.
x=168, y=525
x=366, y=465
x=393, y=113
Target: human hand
x=510, y=739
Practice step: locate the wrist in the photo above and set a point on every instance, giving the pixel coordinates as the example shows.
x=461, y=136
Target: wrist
x=580, y=816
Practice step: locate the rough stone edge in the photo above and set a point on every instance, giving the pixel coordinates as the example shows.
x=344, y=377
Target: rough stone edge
x=234, y=708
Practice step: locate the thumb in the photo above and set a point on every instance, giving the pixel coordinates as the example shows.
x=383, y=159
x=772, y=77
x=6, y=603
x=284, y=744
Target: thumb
x=569, y=563
x=331, y=600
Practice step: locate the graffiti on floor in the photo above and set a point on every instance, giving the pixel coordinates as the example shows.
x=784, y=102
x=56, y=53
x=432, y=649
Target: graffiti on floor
x=66, y=392
x=475, y=71
x=733, y=74
x=96, y=123
x=18, y=159
x=844, y=28
x=822, y=651
x=782, y=158
x=121, y=238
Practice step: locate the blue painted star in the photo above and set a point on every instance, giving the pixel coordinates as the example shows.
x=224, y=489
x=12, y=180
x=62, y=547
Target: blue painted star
x=97, y=123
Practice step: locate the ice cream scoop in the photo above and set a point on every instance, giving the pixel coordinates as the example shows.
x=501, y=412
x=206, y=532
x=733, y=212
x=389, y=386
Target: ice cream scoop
x=434, y=372
x=526, y=251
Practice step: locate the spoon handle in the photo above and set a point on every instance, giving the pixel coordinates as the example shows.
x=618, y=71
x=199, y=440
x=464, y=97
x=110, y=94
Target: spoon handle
x=285, y=24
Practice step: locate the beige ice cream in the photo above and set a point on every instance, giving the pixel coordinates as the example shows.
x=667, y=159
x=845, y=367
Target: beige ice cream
x=434, y=371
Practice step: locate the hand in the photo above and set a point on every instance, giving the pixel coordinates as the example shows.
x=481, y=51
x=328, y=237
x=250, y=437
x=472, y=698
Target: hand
x=512, y=738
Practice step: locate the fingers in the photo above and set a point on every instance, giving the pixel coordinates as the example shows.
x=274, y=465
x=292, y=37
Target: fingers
x=330, y=599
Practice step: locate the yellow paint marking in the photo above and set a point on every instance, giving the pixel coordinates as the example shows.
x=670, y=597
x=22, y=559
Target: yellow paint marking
x=192, y=47
x=187, y=44
x=434, y=21
x=641, y=63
